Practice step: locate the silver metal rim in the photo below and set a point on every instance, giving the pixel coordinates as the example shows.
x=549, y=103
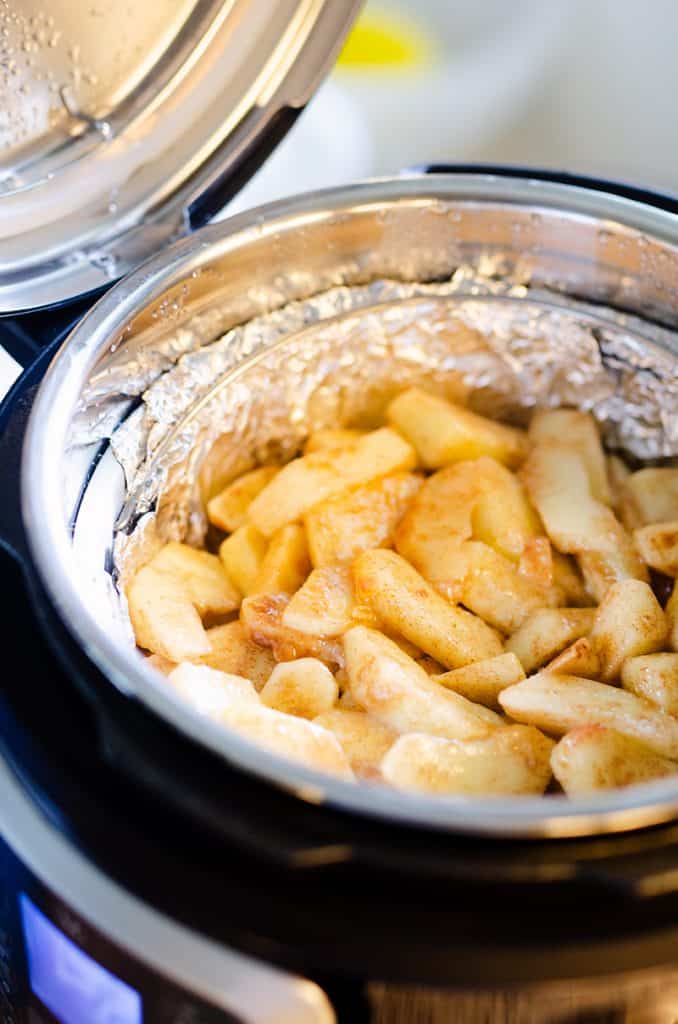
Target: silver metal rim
x=49, y=543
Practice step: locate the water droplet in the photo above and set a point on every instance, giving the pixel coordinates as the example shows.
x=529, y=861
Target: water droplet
x=104, y=261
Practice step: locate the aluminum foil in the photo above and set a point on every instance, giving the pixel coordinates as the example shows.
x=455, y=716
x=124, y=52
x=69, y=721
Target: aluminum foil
x=194, y=412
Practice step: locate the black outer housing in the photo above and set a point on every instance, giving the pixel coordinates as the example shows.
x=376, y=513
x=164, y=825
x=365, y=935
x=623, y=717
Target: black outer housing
x=322, y=891
x=627, y=191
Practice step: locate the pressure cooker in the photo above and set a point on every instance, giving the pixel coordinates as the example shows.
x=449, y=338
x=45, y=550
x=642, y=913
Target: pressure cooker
x=154, y=867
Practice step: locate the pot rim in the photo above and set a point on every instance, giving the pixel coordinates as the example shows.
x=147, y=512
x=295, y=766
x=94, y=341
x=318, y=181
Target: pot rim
x=49, y=541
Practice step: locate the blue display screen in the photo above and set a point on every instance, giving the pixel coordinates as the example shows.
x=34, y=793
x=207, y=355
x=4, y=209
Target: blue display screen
x=73, y=986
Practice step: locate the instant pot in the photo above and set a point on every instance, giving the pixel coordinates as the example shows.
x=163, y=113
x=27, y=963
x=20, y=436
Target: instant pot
x=156, y=868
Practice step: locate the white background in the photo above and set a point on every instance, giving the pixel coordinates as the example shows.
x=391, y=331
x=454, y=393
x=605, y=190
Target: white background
x=589, y=85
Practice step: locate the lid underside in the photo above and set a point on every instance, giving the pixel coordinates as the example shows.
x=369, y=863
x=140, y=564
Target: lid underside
x=115, y=118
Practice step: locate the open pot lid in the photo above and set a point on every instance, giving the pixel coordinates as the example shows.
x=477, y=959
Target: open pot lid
x=123, y=126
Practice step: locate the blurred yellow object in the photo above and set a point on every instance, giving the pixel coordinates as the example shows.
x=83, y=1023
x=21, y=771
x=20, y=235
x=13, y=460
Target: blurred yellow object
x=382, y=39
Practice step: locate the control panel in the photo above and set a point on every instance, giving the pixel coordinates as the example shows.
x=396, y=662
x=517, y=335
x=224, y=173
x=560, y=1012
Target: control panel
x=55, y=967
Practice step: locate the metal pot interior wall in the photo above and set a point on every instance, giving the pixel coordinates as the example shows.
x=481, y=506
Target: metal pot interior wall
x=523, y=236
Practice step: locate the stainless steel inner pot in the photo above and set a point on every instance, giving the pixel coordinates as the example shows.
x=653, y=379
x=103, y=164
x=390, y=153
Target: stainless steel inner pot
x=597, y=247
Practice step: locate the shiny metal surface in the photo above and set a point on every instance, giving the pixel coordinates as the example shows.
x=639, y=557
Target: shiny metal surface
x=597, y=247
x=117, y=117
x=73, y=64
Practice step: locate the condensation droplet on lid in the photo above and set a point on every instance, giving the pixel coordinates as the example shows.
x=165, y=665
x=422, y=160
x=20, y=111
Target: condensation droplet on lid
x=105, y=261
